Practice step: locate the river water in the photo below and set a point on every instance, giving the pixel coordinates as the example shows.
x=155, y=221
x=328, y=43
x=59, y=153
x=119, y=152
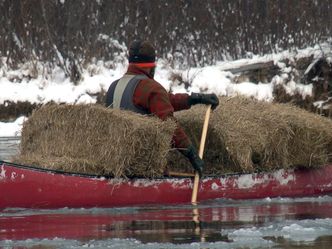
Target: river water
x=266, y=223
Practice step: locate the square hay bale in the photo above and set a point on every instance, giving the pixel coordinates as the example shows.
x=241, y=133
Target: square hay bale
x=96, y=140
x=311, y=144
x=248, y=135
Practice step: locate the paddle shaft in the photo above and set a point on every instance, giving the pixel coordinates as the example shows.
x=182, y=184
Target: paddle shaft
x=201, y=152
x=174, y=173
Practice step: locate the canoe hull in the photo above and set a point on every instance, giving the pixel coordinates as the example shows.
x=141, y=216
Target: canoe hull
x=29, y=187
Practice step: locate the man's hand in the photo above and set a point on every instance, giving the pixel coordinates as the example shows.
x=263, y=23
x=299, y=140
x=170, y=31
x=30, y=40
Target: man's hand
x=196, y=162
x=207, y=99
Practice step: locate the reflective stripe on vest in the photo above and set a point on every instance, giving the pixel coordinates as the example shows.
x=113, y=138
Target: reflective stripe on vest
x=120, y=88
x=121, y=92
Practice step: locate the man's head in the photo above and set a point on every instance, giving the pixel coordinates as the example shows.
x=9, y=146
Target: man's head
x=143, y=55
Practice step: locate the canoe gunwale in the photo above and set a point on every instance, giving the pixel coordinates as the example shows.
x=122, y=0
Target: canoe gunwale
x=62, y=172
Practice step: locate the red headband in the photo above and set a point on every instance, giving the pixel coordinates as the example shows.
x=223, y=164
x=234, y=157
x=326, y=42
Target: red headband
x=144, y=64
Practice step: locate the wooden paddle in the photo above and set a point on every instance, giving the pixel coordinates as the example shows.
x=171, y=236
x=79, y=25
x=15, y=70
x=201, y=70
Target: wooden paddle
x=181, y=174
x=201, y=152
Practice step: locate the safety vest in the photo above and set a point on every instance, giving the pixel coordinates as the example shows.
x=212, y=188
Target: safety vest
x=121, y=93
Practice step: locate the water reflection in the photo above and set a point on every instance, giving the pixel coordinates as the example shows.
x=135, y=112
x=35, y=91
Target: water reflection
x=217, y=221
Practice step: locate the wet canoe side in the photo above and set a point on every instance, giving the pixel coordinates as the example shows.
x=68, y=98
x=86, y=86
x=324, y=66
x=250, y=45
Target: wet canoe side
x=28, y=187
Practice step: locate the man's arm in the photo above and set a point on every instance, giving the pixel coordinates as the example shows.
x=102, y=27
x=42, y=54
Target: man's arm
x=183, y=101
x=152, y=96
x=179, y=101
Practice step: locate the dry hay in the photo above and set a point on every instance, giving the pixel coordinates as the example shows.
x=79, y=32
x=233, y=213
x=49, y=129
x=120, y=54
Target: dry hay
x=244, y=135
x=247, y=135
x=94, y=139
x=311, y=144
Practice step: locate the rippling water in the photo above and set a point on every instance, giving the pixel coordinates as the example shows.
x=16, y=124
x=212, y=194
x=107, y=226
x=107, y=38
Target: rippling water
x=267, y=223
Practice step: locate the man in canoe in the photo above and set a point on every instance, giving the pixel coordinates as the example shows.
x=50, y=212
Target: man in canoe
x=138, y=91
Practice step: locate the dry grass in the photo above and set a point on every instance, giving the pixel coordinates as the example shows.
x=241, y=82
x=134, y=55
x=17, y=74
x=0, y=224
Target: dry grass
x=94, y=139
x=244, y=135
x=248, y=135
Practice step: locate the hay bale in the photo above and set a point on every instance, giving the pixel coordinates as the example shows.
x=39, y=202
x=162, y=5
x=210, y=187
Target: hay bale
x=311, y=145
x=244, y=135
x=247, y=135
x=96, y=140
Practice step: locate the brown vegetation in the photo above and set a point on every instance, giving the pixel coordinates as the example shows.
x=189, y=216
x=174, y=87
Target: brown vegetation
x=96, y=140
x=247, y=135
x=10, y=110
x=244, y=135
x=195, y=33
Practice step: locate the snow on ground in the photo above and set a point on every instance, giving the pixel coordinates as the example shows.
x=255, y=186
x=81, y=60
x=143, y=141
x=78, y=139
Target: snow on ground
x=20, y=85
x=11, y=129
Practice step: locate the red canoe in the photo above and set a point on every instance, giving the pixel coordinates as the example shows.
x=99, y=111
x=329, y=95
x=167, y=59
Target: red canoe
x=31, y=187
